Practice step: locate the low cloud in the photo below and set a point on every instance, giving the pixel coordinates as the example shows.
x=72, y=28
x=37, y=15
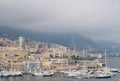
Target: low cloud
x=98, y=19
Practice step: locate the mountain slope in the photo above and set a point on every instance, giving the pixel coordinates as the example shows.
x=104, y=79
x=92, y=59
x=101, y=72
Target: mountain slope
x=69, y=40
x=108, y=44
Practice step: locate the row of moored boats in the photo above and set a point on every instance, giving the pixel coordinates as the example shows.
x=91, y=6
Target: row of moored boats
x=7, y=73
x=83, y=73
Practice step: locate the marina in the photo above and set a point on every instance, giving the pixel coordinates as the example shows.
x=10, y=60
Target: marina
x=59, y=40
x=59, y=76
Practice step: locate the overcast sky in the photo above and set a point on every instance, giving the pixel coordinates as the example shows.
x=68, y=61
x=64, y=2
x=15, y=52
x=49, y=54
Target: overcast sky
x=96, y=19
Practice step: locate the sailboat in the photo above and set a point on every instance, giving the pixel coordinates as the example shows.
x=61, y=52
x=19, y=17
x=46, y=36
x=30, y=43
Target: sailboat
x=104, y=72
x=38, y=73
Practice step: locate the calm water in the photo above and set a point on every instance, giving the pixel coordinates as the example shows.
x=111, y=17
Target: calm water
x=114, y=62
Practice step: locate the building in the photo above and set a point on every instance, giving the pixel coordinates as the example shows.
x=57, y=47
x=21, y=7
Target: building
x=21, y=42
x=59, y=63
x=32, y=66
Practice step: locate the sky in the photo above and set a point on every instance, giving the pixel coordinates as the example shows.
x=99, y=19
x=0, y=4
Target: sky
x=95, y=19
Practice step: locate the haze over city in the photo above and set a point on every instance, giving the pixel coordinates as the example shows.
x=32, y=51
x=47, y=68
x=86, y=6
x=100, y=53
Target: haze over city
x=96, y=19
x=59, y=40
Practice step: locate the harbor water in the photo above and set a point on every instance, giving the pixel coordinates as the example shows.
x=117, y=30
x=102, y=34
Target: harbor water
x=112, y=62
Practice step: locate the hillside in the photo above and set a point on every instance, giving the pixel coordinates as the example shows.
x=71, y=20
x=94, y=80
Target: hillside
x=108, y=44
x=69, y=40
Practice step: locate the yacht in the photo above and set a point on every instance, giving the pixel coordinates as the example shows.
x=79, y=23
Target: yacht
x=48, y=73
x=72, y=73
x=102, y=74
x=5, y=73
x=36, y=73
x=15, y=73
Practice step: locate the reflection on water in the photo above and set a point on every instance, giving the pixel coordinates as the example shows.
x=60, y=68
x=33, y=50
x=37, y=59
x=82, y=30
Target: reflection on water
x=55, y=78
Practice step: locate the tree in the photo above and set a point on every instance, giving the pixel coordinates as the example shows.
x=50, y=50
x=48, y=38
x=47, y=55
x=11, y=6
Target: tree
x=74, y=57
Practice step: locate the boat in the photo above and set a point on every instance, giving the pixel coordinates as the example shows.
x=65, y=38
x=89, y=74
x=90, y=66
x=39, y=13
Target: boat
x=10, y=73
x=43, y=73
x=78, y=77
x=114, y=70
x=73, y=73
x=102, y=74
x=47, y=73
x=15, y=73
x=5, y=73
x=38, y=73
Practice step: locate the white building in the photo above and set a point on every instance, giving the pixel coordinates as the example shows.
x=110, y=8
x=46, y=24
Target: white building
x=31, y=66
x=59, y=63
x=21, y=42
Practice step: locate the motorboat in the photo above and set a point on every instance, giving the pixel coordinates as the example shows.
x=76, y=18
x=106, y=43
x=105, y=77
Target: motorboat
x=48, y=73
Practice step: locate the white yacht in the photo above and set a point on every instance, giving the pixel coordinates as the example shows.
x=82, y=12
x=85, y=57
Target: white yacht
x=15, y=73
x=48, y=73
x=104, y=73
x=72, y=73
x=5, y=73
x=38, y=74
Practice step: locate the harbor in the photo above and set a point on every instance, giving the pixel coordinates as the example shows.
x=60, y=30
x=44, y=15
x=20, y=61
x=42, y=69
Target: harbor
x=58, y=76
x=28, y=59
x=59, y=40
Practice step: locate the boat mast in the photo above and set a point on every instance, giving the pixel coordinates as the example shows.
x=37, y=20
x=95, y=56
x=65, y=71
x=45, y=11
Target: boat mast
x=105, y=59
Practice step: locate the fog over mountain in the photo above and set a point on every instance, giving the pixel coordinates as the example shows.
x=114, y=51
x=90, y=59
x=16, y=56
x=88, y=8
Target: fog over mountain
x=96, y=19
x=66, y=39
